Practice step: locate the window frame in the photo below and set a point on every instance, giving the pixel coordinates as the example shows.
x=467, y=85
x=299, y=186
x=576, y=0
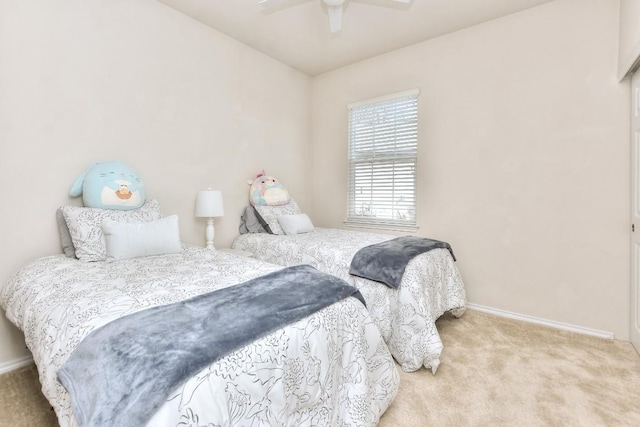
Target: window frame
x=392, y=160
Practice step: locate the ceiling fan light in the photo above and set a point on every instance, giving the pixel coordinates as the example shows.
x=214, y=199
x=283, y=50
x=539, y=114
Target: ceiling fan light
x=335, y=18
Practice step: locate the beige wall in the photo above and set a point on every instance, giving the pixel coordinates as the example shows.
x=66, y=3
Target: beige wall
x=87, y=80
x=523, y=157
x=523, y=164
x=629, y=50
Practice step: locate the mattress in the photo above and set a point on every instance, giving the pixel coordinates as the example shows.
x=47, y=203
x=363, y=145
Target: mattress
x=331, y=368
x=431, y=286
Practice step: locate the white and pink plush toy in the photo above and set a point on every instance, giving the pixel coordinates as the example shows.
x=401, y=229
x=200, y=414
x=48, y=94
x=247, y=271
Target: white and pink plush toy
x=267, y=191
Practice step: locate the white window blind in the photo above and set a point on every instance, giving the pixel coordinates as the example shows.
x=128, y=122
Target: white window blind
x=383, y=146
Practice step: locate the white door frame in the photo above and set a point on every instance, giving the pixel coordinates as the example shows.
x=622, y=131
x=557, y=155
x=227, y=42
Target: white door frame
x=634, y=306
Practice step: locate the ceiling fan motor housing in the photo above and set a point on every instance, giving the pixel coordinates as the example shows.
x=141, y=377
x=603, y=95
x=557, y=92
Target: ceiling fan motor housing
x=334, y=10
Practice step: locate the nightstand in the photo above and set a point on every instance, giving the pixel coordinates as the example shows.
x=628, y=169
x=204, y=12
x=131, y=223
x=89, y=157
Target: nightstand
x=237, y=252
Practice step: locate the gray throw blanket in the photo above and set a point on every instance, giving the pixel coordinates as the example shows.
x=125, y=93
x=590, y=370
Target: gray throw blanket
x=385, y=262
x=121, y=373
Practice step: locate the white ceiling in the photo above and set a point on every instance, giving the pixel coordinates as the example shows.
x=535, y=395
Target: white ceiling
x=298, y=33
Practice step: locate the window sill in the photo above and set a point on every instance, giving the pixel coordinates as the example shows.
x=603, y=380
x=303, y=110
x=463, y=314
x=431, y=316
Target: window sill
x=381, y=225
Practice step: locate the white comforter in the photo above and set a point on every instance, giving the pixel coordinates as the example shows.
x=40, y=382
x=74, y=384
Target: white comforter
x=331, y=368
x=406, y=317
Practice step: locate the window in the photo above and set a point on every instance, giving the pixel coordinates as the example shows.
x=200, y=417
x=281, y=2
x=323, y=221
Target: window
x=383, y=145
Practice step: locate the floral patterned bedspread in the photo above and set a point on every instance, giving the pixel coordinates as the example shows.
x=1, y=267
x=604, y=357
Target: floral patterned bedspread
x=331, y=368
x=406, y=317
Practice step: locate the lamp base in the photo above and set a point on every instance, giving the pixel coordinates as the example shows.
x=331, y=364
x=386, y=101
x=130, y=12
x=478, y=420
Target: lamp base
x=209, y=233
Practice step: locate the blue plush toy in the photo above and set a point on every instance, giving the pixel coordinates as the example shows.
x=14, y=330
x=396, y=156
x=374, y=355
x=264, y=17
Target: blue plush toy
x=109, y=185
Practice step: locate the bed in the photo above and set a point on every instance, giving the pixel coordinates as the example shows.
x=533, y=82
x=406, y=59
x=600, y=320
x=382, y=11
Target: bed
x=406, y=316
x=330, y=368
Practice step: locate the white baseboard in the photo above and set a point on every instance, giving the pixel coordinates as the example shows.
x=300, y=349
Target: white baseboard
x=544, y=322
x=15, y=364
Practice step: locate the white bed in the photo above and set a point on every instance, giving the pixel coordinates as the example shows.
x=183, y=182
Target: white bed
x=406, y=317
x=331, y=368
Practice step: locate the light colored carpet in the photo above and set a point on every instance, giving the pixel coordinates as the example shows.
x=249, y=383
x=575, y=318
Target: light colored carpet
x=494, y=372
x=501, y=372
x=21, y=402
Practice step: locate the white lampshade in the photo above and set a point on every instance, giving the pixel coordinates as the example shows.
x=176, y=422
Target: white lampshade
x=209, y=204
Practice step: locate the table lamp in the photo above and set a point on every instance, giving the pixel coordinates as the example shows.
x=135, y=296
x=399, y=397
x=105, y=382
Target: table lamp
x=209, y=205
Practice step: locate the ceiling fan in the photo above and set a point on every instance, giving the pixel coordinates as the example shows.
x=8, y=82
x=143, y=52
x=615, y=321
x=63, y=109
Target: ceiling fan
x=334, y=8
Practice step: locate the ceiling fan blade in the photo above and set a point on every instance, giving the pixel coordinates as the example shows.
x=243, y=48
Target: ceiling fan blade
x=278, y=4
x=335, y=18
x=270, y=3
x=396, y=4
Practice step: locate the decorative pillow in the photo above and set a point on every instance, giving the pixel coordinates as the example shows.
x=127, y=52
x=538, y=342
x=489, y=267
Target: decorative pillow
x=251, y=222
x=125, y=240
x=65, y=236
x=295, y=224
x=85, y=226
x=267, y=191
x=109, y=185
x=270, y=215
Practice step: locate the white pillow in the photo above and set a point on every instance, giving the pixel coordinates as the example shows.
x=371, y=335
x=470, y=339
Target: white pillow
x=270, y=214
x=136, y=239
x=295, y=224
x=85, y=226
